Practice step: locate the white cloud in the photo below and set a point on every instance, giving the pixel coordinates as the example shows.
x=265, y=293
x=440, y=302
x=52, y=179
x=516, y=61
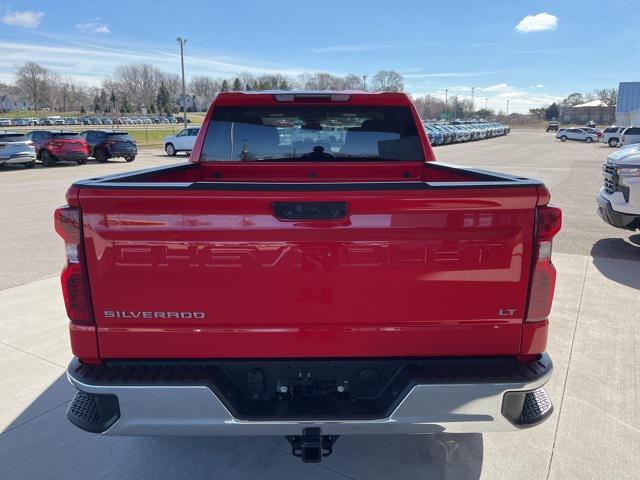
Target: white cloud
x=496, y=96
x=552, y=51
x=537, y=23
x=92, y=62
x=365, y=47
x=500, y=87
x=26, y=19
x=450, y=74
x=539, y=85
x=93, y=27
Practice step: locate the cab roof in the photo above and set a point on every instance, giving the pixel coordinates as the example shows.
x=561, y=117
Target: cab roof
x=338, y=97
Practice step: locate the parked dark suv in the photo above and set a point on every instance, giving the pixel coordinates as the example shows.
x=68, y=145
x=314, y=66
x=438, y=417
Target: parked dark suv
x=553, y=127
x=104, y=145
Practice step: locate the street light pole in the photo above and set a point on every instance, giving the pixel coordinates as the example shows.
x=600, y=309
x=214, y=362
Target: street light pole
x=473, y=93
x=182, y=41
x=486, y=99
x=446, y=102
x=507, y=114
x=364, y=82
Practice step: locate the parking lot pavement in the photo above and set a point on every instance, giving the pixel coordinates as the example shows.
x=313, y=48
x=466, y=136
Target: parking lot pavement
x=594, y=338
x=29, y=198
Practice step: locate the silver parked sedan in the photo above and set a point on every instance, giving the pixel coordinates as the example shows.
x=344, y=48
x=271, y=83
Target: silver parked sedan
x=16, y=148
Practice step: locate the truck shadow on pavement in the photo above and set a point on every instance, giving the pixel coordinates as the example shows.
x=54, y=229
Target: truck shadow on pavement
x=43, y=430
x=613, y=257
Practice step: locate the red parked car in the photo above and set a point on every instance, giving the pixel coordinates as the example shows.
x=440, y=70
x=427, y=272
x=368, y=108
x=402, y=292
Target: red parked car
x=53, y=146
x=311, y=272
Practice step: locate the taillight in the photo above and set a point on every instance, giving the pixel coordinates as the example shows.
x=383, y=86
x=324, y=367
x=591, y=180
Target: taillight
x=75, y=288
x=543, y=279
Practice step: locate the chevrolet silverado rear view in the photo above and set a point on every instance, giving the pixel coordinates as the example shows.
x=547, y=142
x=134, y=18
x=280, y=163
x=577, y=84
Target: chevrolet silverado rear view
x=311, y=272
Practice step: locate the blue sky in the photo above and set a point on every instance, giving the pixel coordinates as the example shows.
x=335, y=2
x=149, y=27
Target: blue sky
x=530, y=52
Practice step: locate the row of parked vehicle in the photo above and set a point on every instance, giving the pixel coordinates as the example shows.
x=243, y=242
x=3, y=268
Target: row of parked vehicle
x=52, y=146
x=445, y=133
x=613, y=136
x=56, y=120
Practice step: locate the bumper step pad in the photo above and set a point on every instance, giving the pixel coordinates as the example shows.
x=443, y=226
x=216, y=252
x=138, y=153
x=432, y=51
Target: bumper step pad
x=537, y=406
x=93, y=413
x=527, y=409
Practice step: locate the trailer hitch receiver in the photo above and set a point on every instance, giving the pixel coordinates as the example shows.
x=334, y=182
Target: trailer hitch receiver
x=311, y=446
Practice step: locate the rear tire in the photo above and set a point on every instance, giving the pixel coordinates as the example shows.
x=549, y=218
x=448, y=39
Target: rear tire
x=563, y=138
x=46, y=159
x=101, y=156
x=613, y=142
x=170, y=149
x=130, y=158
x=30, y=164
x=82, y=161
x=588, y=139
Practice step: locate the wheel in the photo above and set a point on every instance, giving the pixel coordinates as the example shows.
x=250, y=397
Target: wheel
x=101, y=156
x=130, y=158
x=563, y=138
x=81, y=161
x=170, y=149
x=46, y=159
x=613, y=142
x=30, y=164
x=588, y=139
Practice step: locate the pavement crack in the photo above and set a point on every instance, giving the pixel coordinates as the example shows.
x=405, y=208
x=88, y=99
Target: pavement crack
x=33, y=355
x=605, y=413
x=566, y=376
x=13, y=427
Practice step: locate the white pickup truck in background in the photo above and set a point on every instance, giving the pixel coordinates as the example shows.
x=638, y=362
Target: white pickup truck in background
x=619, y=197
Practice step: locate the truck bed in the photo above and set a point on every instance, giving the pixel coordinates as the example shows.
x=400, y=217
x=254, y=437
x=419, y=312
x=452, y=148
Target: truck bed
x=192, y=261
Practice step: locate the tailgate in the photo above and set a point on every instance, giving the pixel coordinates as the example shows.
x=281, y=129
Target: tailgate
x=214, y=273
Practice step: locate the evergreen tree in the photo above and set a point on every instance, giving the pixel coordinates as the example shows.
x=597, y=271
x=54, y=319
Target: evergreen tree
x=237, y=85
x=112, y=101
x=164, y=99
x=104, y=101
x=125, y=106
x=225, y=86
x=552, y=112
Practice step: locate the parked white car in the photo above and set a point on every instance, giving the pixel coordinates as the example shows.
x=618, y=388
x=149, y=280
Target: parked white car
x=612, y=136
x=565, y=134
x=16, y=148
x=630, y=136
x=182, y=142
x=619, y=197
x=5, y=122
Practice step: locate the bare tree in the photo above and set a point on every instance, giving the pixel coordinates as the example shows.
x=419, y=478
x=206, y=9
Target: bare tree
x=388, y=81
x=573, y=99
x=173, y=83
x=320, y=81
x=608, y=96
x=36, y=83
x=352, y=82
x=429, y=106
x=139, y=82
x=62, y=93
x=204, y=87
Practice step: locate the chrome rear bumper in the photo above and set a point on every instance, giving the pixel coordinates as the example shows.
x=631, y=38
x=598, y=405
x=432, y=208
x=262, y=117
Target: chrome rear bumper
x=153, y=409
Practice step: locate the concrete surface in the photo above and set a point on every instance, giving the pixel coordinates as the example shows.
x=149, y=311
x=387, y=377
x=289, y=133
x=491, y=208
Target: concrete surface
x=594, y=338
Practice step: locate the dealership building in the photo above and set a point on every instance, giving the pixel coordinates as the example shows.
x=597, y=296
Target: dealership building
x=628, y=107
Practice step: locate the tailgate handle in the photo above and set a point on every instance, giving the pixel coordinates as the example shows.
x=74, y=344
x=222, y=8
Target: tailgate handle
x=309, y=210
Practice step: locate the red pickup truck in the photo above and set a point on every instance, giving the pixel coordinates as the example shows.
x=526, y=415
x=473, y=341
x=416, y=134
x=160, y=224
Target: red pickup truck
x=310, y=272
